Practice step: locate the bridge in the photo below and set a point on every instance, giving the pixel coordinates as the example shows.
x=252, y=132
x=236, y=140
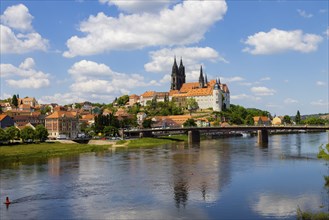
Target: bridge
x=194, y=132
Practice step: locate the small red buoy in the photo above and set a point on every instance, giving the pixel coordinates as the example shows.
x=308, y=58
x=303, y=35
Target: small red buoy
x=7, y=201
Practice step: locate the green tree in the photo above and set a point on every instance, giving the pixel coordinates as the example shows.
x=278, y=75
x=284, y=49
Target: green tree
x=3, y=136
x=14, y=101
x=147, y=123
x=110, y=131
x=287, y=119
x=192, y=104
x=12, y=133
x=314, y=121
x=121, y=101
x=41, y=133
x=189, y=123
x=298, y=118
x=27, y=133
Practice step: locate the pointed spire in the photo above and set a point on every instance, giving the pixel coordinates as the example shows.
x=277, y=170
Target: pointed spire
x=181, y=62
x=205, y=79
x=201, y=79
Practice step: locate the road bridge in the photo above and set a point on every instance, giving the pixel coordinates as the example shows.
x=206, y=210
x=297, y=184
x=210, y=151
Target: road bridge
x=194, y=132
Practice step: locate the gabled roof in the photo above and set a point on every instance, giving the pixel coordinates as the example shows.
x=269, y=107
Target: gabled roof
x=188, y=86
x=61, y=114
x=200, y=92
x=3, y=116
x=148, y=94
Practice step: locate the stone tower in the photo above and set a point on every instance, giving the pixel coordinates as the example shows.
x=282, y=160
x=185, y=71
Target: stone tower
x=177, y=75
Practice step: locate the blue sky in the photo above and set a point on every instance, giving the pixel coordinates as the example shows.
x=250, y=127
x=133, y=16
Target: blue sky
x=273, y=55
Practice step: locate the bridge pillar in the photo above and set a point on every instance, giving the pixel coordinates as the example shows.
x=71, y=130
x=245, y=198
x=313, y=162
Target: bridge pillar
x=262, y=136
x=145, y=134
x=193, y=137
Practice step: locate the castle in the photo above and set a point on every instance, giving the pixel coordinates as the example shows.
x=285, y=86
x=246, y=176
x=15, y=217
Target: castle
x=212, y=94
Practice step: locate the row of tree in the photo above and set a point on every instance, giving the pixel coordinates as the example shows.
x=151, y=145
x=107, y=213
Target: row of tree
x=26, y=134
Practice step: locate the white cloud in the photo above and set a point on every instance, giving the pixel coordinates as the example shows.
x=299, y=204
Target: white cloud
x=262, y=91
x=139, y=6
x=244, y=97
x=162, y=60
x=290, y=101
x=95, y=79
x=277, y=41
x=184, y=24
x=304, y=14
x=18, y=18
x=25, y=75
x=60, y=98
x=320, y=83
x=320, y=102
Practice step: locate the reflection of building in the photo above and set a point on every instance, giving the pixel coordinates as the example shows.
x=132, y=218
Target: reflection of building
x=199, y=174
x=262, y=120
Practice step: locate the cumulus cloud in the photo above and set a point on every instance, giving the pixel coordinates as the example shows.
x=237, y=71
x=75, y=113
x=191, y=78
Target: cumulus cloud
x=92, y=78
x=162, y=60
x=262, y=91
x=139, y=6
x=304, y=14
x=17, y=17
x=16, y=31
x=290, y=101
x=25, y=75
x=278, y=41
x=183, y=24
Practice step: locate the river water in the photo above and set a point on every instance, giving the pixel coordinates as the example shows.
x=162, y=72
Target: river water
x=228, y=178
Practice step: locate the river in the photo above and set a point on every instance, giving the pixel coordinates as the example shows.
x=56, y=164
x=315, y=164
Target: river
x=220, y=179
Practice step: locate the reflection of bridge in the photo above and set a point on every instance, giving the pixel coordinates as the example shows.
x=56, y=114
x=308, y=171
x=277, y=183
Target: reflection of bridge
x=194, y=132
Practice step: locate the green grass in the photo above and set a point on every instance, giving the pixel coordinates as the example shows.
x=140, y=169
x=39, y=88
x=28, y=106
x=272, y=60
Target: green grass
x=45, y=150
x=311, y=216
x=149, y=142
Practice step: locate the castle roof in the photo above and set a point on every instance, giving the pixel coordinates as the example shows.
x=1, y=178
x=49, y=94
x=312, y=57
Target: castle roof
x=61, y=114
x=148, y=94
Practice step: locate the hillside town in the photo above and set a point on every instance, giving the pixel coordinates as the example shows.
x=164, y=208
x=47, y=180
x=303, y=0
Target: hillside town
x=202, y=103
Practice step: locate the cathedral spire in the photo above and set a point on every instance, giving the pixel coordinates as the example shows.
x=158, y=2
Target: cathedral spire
x=201, y=79
x=205, y=79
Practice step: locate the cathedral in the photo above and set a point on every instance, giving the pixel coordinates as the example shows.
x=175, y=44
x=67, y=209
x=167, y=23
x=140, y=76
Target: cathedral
x=209, y=95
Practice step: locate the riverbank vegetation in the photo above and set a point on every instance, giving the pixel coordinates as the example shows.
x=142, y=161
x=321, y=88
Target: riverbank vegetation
x=45, y=150
x=323, y=154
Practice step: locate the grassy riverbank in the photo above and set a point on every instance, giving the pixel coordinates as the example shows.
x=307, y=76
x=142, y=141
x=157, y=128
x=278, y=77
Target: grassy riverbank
x=45, y=150
x=149, y=142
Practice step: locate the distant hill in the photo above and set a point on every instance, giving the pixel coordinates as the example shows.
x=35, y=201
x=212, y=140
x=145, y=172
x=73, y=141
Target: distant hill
x=320, y=115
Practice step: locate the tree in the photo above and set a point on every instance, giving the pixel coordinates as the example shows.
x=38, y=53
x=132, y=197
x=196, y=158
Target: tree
x=110, y=131
x=287, y=119
x=298, y=118
x=192, y=104
x=190, y=123
x=41, y=133
x=27, y=134
x=121, y=101
x=12, y=133
x=14, y=101
x=147, y=123
x=3, y=136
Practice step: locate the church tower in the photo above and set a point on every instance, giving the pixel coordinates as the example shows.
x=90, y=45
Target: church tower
x=201, y=79
x=177, y=75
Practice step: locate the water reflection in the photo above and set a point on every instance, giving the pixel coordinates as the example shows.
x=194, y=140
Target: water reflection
x=283, y=205
x=213, y=180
